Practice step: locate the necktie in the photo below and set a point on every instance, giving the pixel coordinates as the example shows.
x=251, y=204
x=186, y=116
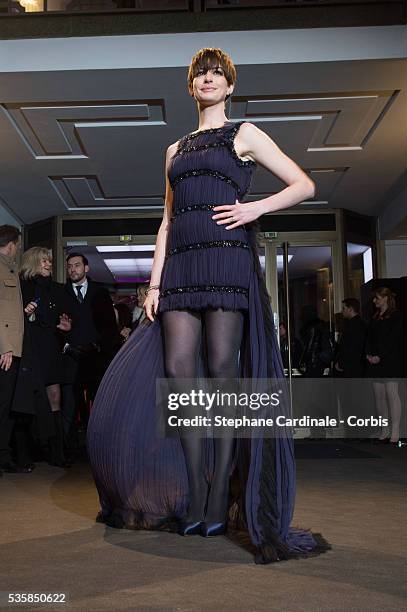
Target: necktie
x=79, y=292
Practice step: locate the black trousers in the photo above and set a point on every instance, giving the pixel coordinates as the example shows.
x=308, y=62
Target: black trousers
x=7, y=386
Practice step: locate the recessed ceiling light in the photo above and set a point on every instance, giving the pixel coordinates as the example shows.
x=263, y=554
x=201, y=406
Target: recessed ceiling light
x=129, y=266
x=125, y=248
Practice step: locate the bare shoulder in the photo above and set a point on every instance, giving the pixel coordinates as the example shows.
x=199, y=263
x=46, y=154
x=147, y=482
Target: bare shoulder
x=251, y=141
x=250, y=132
x=172, y=149
x=247, y=127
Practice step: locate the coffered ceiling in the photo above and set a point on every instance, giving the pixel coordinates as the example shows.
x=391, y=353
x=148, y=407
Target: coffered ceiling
x=89, y=139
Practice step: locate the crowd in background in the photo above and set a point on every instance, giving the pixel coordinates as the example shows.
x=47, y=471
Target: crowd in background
x=57, y=340
x=372, y=350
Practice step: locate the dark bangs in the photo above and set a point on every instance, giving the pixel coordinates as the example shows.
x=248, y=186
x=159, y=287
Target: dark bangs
x=209, y=59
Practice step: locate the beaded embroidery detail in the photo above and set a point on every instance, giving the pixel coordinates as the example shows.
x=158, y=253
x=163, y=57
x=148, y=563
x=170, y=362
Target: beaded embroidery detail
x=205, y=172
x=185, y=139
x=204, y=147
x=207, y=131
x=210, y=288
x=190, y=207
x=228, y=141
x=208, y=245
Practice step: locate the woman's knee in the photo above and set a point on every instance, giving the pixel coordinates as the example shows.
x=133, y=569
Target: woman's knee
x=392, y=391
x=180, y=368
x=222, y=366
x=379, y=391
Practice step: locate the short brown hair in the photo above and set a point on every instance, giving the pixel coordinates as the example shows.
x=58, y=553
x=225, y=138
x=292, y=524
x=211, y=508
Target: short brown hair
x=211, y=57
x=8, y=233
x=85, y=260
x=352, y=303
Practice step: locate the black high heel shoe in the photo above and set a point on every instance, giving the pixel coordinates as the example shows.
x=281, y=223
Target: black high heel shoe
x=209, y=530
x=395, y=443
x=190, y=528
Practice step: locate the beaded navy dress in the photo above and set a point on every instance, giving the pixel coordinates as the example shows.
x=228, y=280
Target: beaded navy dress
x=207, y=266
x=141, y=477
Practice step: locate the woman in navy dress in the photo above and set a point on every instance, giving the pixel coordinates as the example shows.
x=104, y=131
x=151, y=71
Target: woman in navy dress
x=207, y=289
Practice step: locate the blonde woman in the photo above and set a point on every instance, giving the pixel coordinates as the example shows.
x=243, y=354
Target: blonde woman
x=46, y=322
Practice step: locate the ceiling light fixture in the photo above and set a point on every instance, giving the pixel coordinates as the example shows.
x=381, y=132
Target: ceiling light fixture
x=129, y=267
x=124, y=249
x=31, y=6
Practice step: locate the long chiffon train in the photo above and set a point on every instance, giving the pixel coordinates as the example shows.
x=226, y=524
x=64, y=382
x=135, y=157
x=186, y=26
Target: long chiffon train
x=141, y=477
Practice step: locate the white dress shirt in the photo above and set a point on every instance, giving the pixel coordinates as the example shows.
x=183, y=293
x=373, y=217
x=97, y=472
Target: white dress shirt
x=84, y=286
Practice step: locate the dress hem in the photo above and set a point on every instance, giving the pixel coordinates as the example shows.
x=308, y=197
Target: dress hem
x=200, y=300
x=314, y=544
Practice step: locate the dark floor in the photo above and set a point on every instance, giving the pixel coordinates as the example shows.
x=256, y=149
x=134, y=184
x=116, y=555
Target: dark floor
x=354, y=494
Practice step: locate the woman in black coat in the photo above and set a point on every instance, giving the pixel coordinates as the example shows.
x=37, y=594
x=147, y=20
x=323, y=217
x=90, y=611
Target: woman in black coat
x=384, y=345
x=42, y=369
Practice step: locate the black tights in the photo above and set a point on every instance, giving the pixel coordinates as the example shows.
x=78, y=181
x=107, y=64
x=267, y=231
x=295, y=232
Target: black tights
x=182, y=339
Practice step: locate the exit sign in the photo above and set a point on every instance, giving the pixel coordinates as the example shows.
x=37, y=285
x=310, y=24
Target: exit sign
x=270, y=234
x=126, y=238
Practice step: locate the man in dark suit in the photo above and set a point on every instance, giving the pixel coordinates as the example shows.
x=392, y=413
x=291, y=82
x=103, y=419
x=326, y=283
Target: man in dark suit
x=93, y=340
x=350, y=361
x=350, y=354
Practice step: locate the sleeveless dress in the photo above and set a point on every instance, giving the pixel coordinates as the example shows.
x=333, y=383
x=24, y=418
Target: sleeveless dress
x=141, y=477
x=207, y=266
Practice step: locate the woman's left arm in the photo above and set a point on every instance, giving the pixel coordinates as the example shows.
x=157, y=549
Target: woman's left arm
x=253, y=143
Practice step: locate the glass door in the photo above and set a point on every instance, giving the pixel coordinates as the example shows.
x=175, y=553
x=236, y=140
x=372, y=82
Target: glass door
x=300, y=280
